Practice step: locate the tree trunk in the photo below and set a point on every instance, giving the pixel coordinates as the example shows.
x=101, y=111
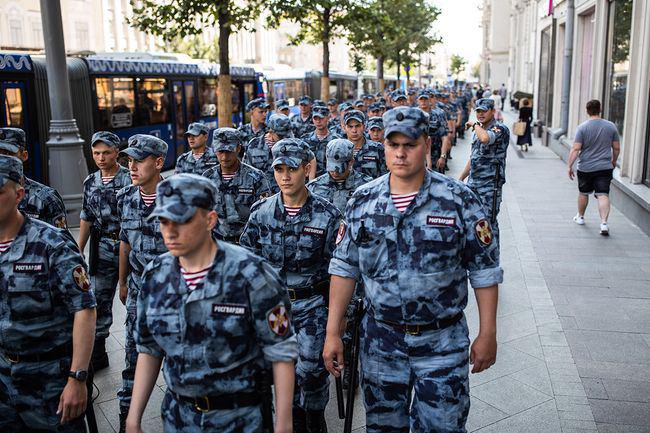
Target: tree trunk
x=224, y=99
x=325, y=80
x=381, y=84
x=408, y=75
x=399, y=75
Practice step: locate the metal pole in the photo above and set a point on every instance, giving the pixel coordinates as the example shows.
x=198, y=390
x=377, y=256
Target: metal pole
x=66, y=163
x=566, y=73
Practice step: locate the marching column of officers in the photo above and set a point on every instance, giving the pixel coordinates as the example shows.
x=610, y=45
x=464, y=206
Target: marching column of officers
x=237, y=272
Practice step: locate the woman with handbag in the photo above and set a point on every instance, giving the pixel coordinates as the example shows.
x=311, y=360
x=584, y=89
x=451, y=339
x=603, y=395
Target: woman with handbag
x=525, y=139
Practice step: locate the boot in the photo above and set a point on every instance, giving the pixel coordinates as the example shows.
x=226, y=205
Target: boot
x=299, y=420
x=99, y=357
x=123, y=414
x=316, y=421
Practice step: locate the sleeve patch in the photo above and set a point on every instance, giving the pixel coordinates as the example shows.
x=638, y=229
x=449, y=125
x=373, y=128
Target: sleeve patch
x=341, y=233
x=278, y=320
x=484, y=232
x=61, y=223
x=81, y=278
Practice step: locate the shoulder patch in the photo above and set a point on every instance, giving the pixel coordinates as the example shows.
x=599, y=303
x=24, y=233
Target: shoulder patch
x=61, y=222
x=484, y=232
x=278, y=320
x=340, y=234
x=81, y=278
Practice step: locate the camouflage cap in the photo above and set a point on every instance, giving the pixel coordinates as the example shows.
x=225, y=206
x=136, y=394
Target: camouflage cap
x=354, y=115
x=345, y=106
x=367, y=96
x=412, y=91
x=319, y=103
x=106, y=137
x=144, y=145
x=375, y=123
x=424, y=94
x=359, y=103
x=226, y=139
x=332, y=101
x=281, y=104
x=197, y=128
x=410, y=121
x=11, y=168
x=280, y=124
x=375, y=106
x=484, y=104
x=398, y=95
x=291, y=152
x=179, y=196
x=320, y=111
x=12, y=139
x=305, y=100
x=257, y=103
x=339, y=154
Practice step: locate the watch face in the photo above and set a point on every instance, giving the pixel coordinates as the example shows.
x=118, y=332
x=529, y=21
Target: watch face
x=80, y=375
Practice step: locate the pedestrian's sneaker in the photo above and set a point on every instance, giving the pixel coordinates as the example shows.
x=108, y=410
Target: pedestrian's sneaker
x=579, y=219
x=604, y=229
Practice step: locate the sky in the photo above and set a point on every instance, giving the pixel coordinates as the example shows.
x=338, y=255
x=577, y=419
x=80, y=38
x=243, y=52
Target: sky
x=458, y=24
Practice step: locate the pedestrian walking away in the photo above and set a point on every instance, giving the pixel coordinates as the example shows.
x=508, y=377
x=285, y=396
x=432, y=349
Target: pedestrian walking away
x=212, y=314
x=47, y=322
x=414, y=258
x=526, y=116
x=596, y=147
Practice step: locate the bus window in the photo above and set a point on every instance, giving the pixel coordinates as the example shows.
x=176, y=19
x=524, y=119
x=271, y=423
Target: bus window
x=153, y=101
x=208, y=97
x=249, y=95
x=115, y=102
x=13, y=107
x=190, y=101
x=235, y=99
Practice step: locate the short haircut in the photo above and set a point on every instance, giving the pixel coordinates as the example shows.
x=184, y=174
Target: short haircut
x=593, y=107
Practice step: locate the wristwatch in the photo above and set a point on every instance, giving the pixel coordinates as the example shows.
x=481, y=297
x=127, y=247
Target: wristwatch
x=80, y=375
x=443, y=156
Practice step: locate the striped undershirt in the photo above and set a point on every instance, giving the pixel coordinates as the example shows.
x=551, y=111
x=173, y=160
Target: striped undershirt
x=355, y=151
x=197, y=156
x=148, y=199
x=269, y=143
x=228, y=176
x=4, y=246
x=107, y=179
x=402, y=201
x=193, y=279
x=292, y=211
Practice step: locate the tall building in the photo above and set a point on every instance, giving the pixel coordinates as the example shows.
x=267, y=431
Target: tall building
x=496, y=39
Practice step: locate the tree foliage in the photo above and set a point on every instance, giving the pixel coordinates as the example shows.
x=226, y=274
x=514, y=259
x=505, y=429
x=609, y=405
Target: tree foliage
x=457, y=64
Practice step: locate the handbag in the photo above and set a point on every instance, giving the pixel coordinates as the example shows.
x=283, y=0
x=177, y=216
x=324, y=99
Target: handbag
x=519, y=128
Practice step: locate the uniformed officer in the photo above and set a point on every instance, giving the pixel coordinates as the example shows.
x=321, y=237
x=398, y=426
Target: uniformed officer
x=414, y=258
x=368, y=155
x=368, y=99
x=100, y=223
x=318, y=139
x=339, y=128
x=340, y=179
x=437, y=133
x=486, y=168
x=295, y=231
x=334, y=118
x=201, y=156
x=301, y=123
x=375, y=129
x=212, y=313
x=318, y=103
x=140, y=241
x=375, y=110
x=238, y=185
x=359, y=105
x=411, y=98
x=47, y=319
x=282, y=107
x=40, y=201
x=258, y=108
x=399, y=98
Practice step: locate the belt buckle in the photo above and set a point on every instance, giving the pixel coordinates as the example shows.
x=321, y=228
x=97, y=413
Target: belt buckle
x=13, y=359
x=292, y=294
x=412, y=329
x=198, y=401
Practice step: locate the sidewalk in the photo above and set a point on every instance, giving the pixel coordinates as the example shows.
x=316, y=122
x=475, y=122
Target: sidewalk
x=573, y=319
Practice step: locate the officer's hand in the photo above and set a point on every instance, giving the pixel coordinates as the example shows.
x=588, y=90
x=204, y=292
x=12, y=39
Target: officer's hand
x=284, y=427
x=440, y=164
x=483, y=353
x=333, y=351
x=123, y=292
x=570, y=172
x=469, y=125
x=72, y=403
x=132, y=427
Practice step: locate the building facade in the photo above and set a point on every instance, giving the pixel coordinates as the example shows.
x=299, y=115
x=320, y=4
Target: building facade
x=496, y=38
x=609, y=59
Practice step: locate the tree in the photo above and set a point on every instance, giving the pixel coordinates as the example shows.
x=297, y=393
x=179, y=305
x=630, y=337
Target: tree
x=174, y=19
x=457, y=64
x=318, y=20
x=194, y=46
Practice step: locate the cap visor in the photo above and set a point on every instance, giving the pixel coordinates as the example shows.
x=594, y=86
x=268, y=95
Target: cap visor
x=338, y=167
x=9, y=147
x=136, y=154
x=288, y=161
x=225, y=148
x=409, y=132
x=179, y=213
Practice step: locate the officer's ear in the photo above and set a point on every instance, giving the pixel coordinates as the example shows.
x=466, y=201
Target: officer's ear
x=23, y=155
x=212, y=219
x=160, y=162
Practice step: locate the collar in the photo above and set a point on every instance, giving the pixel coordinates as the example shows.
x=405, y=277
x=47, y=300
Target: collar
x=303, y=215
x=420, y=199
x=203, y=291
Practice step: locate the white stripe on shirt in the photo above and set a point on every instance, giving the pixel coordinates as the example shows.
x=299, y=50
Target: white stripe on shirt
x=148, y=199
x=107, y=179
x=402, y=201
x=193, y=279
x=292, y=211
x=4, y=246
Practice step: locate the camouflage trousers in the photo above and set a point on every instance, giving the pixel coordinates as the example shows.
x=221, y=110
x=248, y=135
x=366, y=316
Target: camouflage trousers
x=312, y=379
x=182, y=417
x=29, y=397
x=104, y=283
x=130, y=351
x=415, y=383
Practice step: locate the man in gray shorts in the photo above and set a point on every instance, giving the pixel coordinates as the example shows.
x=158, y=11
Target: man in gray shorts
x=596, y=146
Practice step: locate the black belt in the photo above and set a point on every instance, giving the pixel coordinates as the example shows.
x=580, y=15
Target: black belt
x=221, y=402
x=418, y=329
x=298, y=293
x=57, y=353
x=115, y=236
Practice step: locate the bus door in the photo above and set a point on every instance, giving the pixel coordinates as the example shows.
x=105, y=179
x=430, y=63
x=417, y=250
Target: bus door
x=185, y=112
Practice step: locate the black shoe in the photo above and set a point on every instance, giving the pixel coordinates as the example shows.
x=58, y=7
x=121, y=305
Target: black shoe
x=99, y=357
x=123, y=415
x=299, y=420
x=316, y=421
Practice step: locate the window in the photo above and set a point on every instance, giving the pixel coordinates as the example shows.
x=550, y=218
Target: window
x=37, y=34
x=115, y=102
x=13, y=99
x=153, y=101
x=249, y=95
x=16, y=32
x=190, y=101
x=208, y=96
x=81, y=35
x=618, y=62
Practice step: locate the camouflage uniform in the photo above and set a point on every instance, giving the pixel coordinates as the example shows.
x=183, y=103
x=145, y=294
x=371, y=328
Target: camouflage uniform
x=146, y=242
x=246, y=131
x=258, y=154
x=319, y=145
x=485, y=160
x=370, y=159
x=299, y=248
x=299, y=125
x=99, y=209
x=216, y=338
x=414, y=267
x=236, y=196
x=335, y=128
x=186, y=163
x=44, y=283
